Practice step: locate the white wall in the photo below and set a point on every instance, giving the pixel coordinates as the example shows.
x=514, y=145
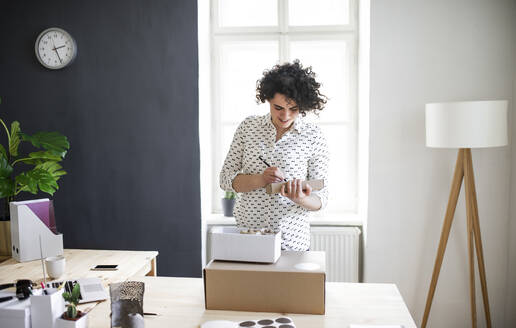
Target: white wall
x=426, y=51
x=510, y=314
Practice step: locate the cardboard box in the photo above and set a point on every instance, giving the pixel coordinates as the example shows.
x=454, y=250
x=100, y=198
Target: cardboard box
x=5, y=238
x=294, y=284
x=275, y=188
x=228, y=244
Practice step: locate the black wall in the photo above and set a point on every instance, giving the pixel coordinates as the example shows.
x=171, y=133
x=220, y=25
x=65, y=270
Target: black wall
x=129, y=106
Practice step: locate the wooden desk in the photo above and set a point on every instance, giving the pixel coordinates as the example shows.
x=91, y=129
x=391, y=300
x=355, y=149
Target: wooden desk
x=80, y=261
x=180, y=303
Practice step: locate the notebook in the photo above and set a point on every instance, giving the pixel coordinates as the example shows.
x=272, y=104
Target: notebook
x=92, y=289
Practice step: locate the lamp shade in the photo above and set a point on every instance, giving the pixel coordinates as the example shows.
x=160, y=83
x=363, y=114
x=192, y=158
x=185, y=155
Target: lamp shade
x=466, y=124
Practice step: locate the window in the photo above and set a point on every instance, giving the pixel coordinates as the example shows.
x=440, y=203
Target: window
x=247, y=37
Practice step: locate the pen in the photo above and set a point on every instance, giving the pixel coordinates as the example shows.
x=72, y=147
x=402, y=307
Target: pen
x=43, y=288
x=265, y=162
x=7, y=298
x=42, y=265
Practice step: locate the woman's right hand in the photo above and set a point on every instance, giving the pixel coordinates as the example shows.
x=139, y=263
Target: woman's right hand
x=272, y=174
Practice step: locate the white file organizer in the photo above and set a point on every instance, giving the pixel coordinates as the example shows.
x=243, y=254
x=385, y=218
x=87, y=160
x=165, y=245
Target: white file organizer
x=26, y=229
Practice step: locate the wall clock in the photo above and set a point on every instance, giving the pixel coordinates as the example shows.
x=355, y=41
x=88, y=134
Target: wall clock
x=55, y=48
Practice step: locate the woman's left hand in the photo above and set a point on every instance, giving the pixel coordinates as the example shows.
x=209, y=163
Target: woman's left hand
x=293, y=190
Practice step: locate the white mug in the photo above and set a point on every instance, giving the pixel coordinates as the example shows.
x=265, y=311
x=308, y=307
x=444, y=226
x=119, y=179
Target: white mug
x=55, y=266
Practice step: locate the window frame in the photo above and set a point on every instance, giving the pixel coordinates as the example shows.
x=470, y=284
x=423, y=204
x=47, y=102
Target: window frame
x=284, y=34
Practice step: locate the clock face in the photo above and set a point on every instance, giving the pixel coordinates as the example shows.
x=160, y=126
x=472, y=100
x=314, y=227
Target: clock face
x=55, y=48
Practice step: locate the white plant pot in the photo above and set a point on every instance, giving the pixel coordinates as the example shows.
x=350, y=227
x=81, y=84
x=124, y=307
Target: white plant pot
x=81, y=323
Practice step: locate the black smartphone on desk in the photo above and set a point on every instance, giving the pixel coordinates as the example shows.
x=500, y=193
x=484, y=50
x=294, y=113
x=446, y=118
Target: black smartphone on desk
x=105, y=267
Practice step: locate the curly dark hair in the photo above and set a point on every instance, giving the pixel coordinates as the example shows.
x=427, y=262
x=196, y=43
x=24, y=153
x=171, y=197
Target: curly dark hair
x=296, y=83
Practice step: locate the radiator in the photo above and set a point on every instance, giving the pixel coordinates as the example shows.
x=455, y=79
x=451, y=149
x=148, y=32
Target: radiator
x=341, y=245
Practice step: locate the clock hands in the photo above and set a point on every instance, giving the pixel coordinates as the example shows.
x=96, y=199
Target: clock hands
x=55, y=49
x=60, y=60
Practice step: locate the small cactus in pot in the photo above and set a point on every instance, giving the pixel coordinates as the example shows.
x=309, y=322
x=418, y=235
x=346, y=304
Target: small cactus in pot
x=72, y=299
x=72, y=318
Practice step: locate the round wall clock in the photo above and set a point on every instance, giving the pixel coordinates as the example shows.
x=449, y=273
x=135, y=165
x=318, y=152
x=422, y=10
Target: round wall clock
x=55, y=48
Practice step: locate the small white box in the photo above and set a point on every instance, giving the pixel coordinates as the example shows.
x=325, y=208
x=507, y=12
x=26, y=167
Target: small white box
x=15, y=313
x=228, y=244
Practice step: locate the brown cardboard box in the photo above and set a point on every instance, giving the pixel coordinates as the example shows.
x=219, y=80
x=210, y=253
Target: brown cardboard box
x=5, y=238
x=294, y=284
x=275, y=188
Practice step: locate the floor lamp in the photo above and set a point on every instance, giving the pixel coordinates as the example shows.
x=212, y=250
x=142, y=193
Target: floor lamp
x=464, y=125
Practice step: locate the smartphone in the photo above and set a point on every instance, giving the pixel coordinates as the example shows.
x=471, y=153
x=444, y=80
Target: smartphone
x=105, y=267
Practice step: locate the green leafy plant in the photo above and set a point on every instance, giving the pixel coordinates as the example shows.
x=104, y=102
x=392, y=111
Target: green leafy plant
x=41, y=170
x=230, y=195
x=72, y=299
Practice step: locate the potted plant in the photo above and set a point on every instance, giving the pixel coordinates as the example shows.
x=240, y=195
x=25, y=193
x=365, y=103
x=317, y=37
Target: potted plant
x=72, y=318
x=36, y=171
x=228, y=202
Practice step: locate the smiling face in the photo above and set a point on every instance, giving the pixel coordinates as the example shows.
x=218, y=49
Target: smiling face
x=283, y=111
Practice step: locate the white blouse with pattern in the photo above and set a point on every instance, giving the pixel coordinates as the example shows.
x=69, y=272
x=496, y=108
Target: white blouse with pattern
x=301, y=153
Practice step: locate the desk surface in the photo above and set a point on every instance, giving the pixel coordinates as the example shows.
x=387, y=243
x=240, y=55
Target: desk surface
x=180, y=303
x=80, y=261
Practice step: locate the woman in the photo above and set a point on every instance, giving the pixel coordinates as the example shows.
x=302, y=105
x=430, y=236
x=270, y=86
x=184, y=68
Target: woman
x=294, y=149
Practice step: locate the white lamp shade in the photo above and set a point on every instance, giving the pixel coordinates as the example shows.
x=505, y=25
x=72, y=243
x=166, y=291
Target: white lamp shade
x=466, y=124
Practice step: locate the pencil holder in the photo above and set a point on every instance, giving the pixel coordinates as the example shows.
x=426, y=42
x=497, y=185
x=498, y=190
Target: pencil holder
x=45, y=309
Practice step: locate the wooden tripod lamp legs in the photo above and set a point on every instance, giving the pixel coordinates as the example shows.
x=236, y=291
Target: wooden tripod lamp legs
x=448, y=219
x=468, y=174
x=470, y=189
x=463, y=170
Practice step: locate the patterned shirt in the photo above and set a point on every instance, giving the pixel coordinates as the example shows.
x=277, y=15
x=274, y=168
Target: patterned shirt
x=301, y=153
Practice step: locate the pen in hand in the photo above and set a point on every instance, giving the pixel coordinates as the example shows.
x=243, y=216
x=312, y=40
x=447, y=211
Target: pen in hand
x=265, y=162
